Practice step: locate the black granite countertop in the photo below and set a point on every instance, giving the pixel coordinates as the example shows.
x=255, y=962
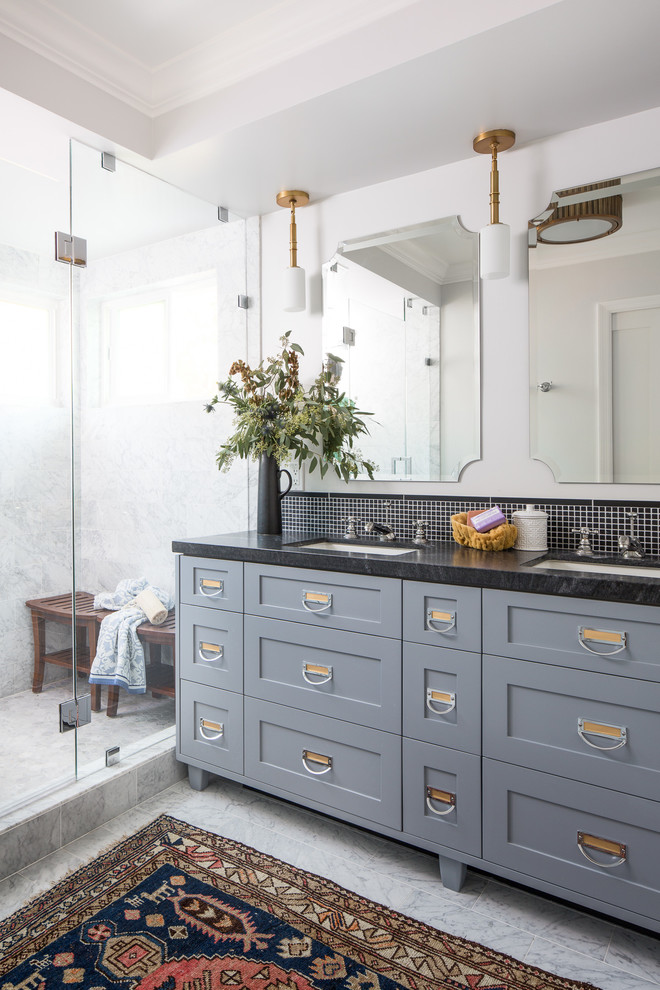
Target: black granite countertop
x=446, y=563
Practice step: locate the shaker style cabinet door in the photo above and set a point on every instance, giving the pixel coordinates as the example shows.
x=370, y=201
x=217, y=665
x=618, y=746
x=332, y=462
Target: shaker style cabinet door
x=346, y=675
x=442, y=615
x=327, y=599
x=212, y=583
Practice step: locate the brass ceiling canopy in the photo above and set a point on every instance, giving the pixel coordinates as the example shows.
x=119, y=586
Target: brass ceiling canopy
x=293, y=197
x=483, y=143
x=588, y=220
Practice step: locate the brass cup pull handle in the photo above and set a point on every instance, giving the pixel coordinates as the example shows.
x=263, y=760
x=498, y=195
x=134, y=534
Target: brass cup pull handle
x=444, y=797
x=316, y=601
x=604, y=636
x=618, y=849
x=209, y=652
x=217, y=728
x=448, y=698
x=210, y=588
x=315, y=673
x=433, y=616
x=318, y=758
x=620, y=732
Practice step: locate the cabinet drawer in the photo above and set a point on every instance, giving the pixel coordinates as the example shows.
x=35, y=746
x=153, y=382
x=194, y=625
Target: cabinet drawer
x=606, y=637
x=442, y=796
x=212, y=583
x=442, y=615
x=211, y=647
x=538, y=824
x=442, y=696
x=328, y=599
x=599, y=729
x=211, y=726
x=346, y=767
x=341, y=674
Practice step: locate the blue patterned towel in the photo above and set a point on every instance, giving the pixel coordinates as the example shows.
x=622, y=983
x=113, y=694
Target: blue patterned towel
x=119, y=653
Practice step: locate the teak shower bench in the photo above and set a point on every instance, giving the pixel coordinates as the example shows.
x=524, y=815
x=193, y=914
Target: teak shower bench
x=58, y=608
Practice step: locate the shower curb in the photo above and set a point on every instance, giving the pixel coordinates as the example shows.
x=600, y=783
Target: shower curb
x=43, y=827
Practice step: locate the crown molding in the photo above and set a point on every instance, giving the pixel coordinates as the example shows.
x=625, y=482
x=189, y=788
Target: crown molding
x=289, y=28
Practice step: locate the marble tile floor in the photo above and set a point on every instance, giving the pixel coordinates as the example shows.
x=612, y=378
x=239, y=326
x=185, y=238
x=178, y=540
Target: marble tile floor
x=35, y=752
x=539, y=930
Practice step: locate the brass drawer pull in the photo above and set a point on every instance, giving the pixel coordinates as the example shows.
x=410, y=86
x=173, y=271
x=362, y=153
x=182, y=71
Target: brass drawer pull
x=447, y=698
x=620, y=732
x=325, y=761
x=604, y=636
x=316, y=670
x=217, y=727
x=433, y=615
x=209, y=648
x=211, y=587
x=586, y=841
x=316, y=601
x=444, y=797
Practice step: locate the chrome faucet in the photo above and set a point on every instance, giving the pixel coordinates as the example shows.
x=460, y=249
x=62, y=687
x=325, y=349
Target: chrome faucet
x=585, y=549
x=629, y=546
x=384, y=530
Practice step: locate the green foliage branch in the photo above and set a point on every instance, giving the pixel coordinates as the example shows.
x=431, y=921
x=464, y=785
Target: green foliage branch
x=274, y=414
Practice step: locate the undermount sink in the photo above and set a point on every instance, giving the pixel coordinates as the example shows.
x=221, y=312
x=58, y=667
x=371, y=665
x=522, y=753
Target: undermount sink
x=378, y=548
x=597, y=567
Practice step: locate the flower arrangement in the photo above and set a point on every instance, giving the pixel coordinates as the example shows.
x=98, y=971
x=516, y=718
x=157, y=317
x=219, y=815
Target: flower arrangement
x=274, y=415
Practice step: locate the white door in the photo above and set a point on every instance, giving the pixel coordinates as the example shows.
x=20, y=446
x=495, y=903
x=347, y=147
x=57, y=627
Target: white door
x=635, y=395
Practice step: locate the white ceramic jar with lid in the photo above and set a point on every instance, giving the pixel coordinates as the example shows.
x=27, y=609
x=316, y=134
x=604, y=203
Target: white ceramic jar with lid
x=532, y=525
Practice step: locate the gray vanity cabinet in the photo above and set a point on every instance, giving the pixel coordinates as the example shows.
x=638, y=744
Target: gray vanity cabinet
x=514, y=732
x=571, y=768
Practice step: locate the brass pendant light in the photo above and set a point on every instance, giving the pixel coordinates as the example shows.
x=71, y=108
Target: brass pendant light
x=294, y=277
x=494, y=240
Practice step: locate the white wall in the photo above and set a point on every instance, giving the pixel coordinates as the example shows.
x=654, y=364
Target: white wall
x=527, y=177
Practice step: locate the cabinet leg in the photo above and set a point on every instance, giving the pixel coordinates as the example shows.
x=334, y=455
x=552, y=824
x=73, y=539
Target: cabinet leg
x=198, y=779
x=452, y=873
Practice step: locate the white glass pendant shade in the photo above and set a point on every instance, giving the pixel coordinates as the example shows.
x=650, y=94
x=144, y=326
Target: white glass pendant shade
x=494, y=250
x=293, y=290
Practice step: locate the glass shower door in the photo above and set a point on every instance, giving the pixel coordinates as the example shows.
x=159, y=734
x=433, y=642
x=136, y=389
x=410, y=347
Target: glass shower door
x=156, y=325
x=36, y=641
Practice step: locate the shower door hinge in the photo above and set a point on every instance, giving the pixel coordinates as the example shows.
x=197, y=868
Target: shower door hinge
x=75, y=713
x=70, y=250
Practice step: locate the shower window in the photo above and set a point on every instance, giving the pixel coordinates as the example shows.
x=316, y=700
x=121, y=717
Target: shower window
x=160, y=343
x=28, y=370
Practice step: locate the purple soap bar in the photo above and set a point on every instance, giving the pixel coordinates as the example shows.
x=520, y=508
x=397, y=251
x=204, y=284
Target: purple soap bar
x=488, y=520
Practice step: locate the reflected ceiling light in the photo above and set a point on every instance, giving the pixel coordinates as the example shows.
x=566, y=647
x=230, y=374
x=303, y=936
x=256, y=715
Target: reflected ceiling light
x=494, y=240
x=576, y=217
x=294, y=277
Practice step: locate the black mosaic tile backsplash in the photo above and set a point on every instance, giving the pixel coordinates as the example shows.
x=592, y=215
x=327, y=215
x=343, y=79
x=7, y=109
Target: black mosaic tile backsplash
x=327, y=513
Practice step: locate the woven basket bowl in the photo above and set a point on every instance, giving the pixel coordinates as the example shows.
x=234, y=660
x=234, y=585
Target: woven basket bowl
x=501, y=538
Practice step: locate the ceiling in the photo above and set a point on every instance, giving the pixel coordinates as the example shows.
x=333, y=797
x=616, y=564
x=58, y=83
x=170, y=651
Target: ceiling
x=235, y=101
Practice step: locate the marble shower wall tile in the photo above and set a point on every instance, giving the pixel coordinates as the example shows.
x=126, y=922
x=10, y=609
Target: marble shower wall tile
x=148, y=471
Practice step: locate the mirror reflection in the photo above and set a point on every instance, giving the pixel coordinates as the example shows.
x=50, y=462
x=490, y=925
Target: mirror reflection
x=401, y=331
x=594, y=299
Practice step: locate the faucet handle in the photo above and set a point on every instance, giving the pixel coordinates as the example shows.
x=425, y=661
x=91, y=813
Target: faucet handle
x=351, y=532
x=585, y=548
x=420, y=533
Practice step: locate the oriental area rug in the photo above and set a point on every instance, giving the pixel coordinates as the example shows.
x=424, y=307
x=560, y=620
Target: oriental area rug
x=174, y=907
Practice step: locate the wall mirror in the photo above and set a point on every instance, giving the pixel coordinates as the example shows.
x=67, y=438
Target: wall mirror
x=401, y=312
x=594, y=301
